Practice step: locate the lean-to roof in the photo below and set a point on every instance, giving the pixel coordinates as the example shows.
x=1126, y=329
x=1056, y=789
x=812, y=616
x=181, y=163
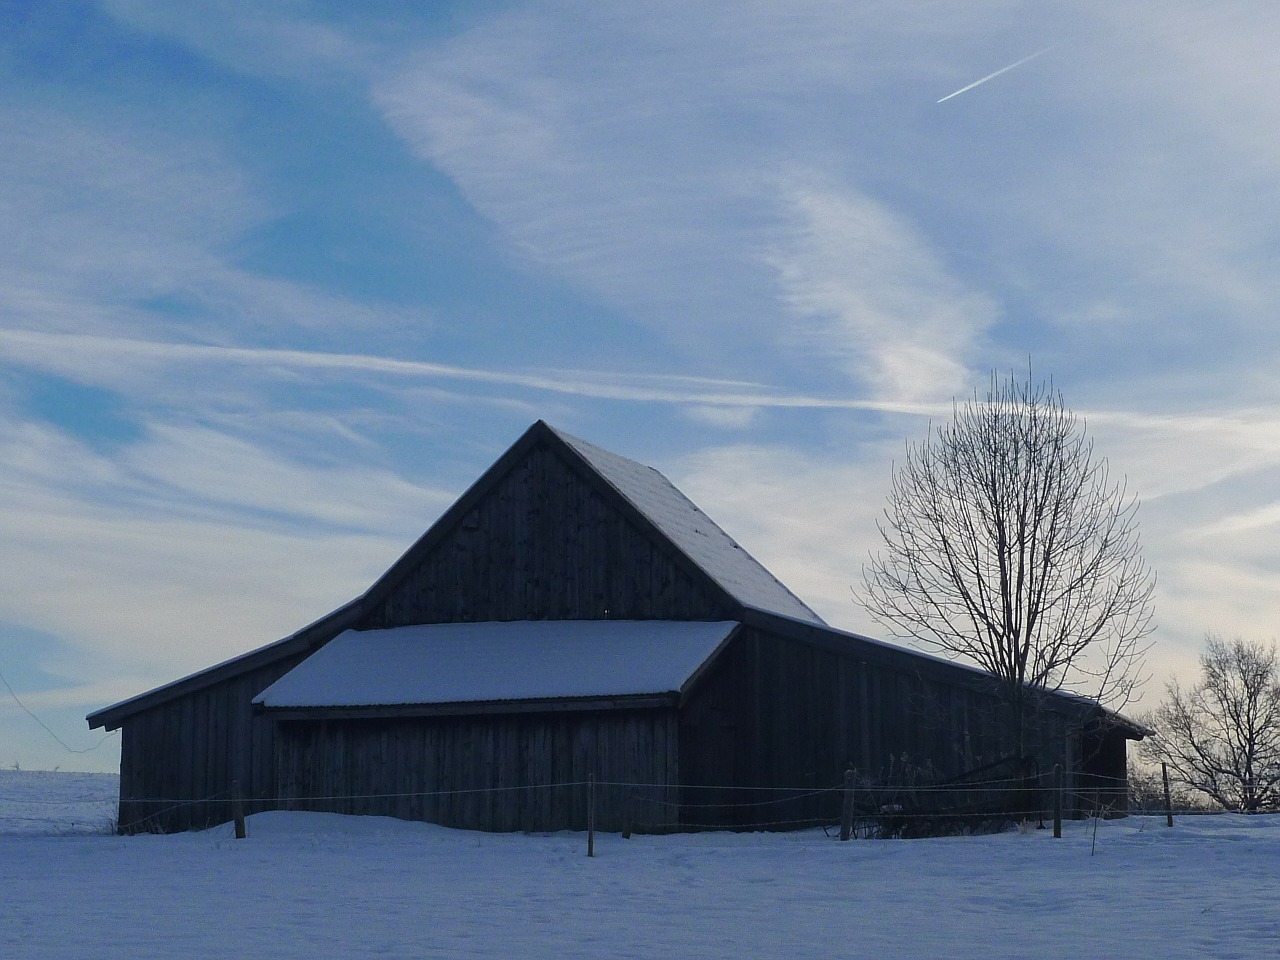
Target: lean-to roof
x=484, y=662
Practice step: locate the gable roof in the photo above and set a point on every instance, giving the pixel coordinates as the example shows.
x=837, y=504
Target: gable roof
x=469, y=663
x=692, y=532
x=653, y=503
x=642, y=493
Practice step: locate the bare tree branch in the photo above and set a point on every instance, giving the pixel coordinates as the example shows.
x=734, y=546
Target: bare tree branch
x=1006, y=543
x=1222, y=737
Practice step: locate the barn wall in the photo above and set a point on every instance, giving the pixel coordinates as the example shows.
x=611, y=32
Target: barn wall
x=771, y=712
x=776, y=712
x=1102, y=780
x=545, y=545
x=176, y=754
x=505, y=765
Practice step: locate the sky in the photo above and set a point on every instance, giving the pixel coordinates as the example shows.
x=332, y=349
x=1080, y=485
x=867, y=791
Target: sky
x=282, y=279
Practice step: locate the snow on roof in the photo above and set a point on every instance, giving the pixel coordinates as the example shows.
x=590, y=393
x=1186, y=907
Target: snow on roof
x=693, y=532
x=477, y=662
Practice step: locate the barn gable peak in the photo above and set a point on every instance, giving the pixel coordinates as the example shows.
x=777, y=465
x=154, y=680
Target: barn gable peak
x=559, y=528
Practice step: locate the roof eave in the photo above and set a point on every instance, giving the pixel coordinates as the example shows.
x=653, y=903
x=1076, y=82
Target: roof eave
x=644, y=701
x=1131, y=729
x=309, y=636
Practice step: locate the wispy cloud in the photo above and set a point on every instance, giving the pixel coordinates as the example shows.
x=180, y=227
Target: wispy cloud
x=808, y=519
x=270, y=39
x=107, y=218
x=130, y=229
x=589, y=170
x=1249, y=520
x=188, y=546
x=114, y=361
x=214, y=468
x=1210, y=447
x=876, y=297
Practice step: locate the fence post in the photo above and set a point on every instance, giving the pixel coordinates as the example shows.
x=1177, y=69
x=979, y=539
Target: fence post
x=1097, y=815
x=1168, y=802
x=846, y=812
x=237, y=810
x=629, y=817
x=1057, y=801
x=591, y=815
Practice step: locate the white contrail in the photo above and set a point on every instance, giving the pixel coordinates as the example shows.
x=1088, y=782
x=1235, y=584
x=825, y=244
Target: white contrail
x=43, y=350
x=991, y=76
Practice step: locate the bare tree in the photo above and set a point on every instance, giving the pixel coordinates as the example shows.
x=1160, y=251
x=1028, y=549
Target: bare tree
x=1005, y=543
x=1222, y=737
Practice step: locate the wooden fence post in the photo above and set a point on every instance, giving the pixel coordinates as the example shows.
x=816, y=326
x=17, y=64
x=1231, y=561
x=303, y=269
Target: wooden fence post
x=237, y=810
x=846, y=812
x=1168, y=802
x=1057, y=800
x=1097, y=815
x=591, y=815
x=633, y=801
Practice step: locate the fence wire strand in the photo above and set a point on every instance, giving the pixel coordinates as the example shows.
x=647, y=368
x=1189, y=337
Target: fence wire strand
x=885, y=803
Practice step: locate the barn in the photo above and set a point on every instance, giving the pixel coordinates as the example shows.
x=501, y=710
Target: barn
x=573, y=617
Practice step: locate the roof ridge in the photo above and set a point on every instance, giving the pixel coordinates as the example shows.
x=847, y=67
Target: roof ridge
x=721, y=576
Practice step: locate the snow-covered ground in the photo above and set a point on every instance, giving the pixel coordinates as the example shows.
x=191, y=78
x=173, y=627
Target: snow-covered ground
x=56, y=804
x=319, y=886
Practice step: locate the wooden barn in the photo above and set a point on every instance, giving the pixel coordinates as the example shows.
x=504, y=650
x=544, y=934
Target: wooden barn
x=574, y=616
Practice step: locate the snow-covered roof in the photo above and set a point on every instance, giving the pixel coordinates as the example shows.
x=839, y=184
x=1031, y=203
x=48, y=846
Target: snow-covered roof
x=480, y=662
x=693, y=532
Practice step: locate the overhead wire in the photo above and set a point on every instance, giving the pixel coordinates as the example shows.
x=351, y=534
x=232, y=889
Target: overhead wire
x=49, y=730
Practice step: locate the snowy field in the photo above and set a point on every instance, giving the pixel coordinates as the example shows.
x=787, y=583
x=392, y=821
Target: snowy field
x=321, y=886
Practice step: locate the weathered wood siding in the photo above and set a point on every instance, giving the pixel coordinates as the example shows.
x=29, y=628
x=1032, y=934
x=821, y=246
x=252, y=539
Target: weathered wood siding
x=776, y=712
x=772, y=712
x=176, y=755
x=498, y=773
x=1102, y=781
x=545, y=545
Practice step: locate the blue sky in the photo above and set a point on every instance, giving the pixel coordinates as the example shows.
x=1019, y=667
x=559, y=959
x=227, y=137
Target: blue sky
x=281, y=279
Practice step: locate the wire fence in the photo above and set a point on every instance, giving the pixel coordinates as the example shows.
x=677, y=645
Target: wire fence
x=858, y=807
